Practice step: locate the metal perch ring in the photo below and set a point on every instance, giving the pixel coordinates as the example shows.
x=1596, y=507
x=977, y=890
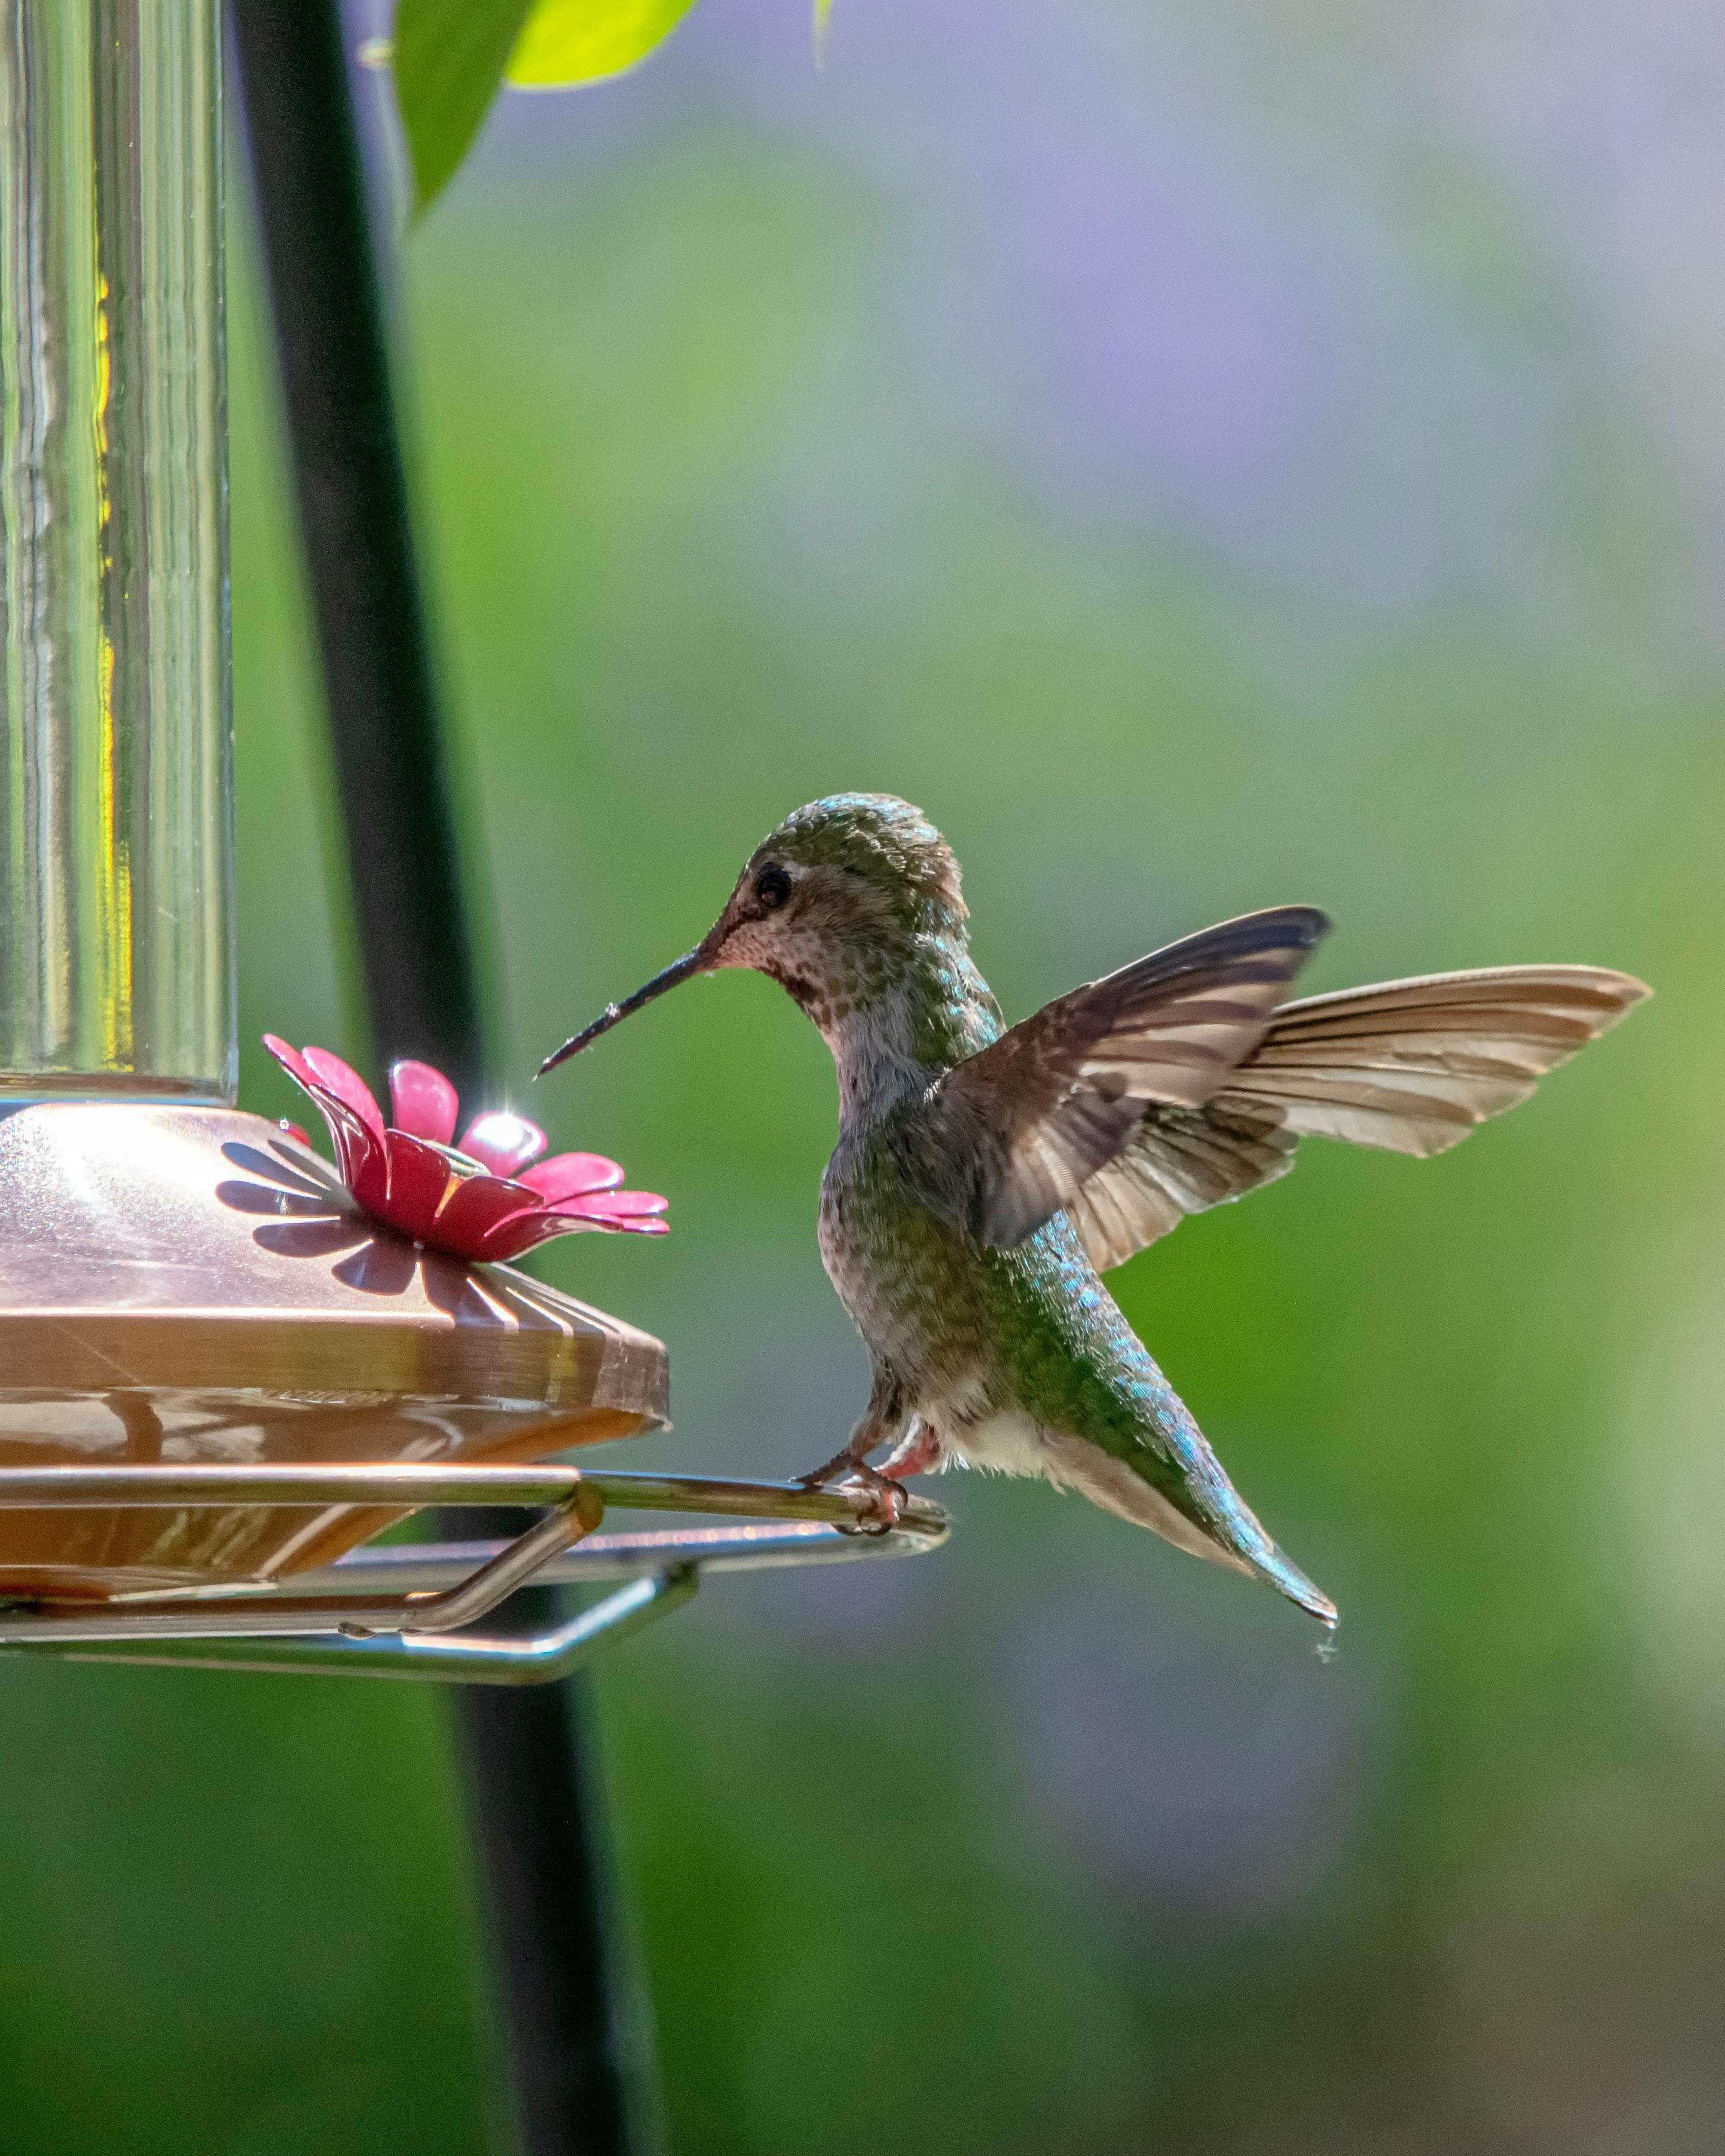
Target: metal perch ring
x=402, y=1611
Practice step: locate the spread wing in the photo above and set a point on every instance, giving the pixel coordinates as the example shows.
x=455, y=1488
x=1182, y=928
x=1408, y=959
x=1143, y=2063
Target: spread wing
x=1012, y=1134
x=1410, y=1066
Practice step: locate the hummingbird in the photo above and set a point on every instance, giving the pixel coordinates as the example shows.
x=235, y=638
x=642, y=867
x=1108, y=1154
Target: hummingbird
x=985, y=1177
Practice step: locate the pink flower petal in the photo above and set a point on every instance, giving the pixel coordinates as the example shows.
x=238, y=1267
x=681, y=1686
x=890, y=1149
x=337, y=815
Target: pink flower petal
x=363, y=1162
x=568, y=1174
x=358, y=1141
x=503, y=1143
x=290, y=1060
x=521, y=1231
x=422, y=1101
x=475, y=1207
x=346, y=1083
x=613, y=1204
x=401, y=1178
x=518, y=1232
x=419, y=1178
x=359, y=1156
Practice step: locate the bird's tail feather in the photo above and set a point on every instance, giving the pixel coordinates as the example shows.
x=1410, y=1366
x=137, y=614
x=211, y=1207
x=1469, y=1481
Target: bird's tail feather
x=1218, y=1526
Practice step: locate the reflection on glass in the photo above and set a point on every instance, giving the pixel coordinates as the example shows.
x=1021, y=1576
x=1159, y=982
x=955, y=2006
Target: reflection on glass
x=115, y=948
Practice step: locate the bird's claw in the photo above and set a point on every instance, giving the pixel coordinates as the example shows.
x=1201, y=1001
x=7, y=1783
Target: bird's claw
x=890, y=1496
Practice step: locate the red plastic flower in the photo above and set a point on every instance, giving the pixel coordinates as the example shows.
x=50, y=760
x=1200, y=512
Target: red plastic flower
x=478, y=1200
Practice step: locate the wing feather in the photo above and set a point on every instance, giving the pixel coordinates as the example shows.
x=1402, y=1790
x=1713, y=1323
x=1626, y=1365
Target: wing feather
x=1408, y=1066
x=1011, y=1135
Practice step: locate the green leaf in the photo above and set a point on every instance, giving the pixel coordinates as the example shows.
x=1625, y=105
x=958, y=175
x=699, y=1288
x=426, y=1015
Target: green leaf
x=449, y=58
x=565, y=42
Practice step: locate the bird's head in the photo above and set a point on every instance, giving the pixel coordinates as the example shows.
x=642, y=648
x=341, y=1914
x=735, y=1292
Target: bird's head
x=832, y=905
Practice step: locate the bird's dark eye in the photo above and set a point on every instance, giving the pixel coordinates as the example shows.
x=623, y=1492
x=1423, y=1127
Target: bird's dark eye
x=772, y=887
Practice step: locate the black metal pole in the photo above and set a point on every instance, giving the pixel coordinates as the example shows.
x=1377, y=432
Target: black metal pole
x=579, y=2045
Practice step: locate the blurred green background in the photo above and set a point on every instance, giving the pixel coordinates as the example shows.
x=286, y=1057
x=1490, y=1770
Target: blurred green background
x=1206, y=457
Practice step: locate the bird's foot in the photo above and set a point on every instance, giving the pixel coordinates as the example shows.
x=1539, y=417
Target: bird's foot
x=890, y=1496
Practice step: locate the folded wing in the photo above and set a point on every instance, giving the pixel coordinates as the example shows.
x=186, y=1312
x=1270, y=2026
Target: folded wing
x=1012, y=1135
x=1410, y=1066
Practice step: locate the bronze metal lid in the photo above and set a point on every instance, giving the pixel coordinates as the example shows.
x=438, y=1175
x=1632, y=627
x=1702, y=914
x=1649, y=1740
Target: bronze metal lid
x=186, y=1284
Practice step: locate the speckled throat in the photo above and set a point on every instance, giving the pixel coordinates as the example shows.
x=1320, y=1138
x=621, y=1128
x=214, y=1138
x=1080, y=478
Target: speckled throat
x=898, y=1004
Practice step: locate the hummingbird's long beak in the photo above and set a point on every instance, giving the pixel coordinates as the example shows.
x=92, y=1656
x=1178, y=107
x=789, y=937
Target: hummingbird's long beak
x=697, y=960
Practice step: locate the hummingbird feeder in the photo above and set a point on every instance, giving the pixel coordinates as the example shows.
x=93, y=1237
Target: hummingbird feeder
x=224, y=1366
